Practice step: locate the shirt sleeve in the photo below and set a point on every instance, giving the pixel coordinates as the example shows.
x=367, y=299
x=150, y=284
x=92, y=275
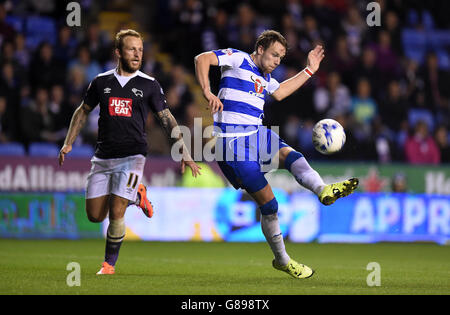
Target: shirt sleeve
x=91, y=97
x=229, y=57
x=273, y=86
x=157, y=100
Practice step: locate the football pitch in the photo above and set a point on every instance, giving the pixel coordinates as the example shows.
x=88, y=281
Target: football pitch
x=197, y=268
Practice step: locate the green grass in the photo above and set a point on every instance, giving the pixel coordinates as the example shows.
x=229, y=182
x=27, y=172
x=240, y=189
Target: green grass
x=39, y=267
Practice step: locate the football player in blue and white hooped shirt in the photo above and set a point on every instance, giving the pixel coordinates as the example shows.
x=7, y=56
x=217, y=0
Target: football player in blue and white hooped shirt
x=242, y=141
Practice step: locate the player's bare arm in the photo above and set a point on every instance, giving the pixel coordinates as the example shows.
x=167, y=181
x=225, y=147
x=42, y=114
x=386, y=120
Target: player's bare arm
x=291, y=85
x=202, y=64
x=76, y=124
x=169, y=123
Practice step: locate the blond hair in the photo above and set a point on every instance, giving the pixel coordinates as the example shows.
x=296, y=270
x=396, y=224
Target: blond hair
x=118, y=43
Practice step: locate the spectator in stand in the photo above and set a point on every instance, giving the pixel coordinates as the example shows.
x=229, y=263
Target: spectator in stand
x=368, y=69
x=7, y=52
x=334, y=99
x=342, y=61
x=215, y=35
x=97, y=43
x=84, y=61
x=150, y=65
x=413, y=81
x=387, y=60
x=21, y=53
x=59, y=107
x=38, y=122
x=392, y=27
x=294, y=9
x=326, y=18
x=75, y=87
x=245, y=28
x=8, y=57
x=66, y=44
x=354, y=27
x=7, y=32
x=436, y=83
x=6, y=123
x=441, y=136
x=178, y=94
x=420, y=147
x=291, y=33
x=419, y=111
x=189, y=16
x=364, y=109
x=9, y=89
x=394, y=107
x=45, y=69
x=309, y=34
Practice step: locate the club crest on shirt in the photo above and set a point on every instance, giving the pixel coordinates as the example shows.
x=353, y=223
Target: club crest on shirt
x=120, y=106
x=259, y=86
x=137, y=92
x=228, y=51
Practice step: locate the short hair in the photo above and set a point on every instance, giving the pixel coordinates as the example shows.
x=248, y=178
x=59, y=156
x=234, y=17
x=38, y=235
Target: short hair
x=268, y=37
x=118, y=43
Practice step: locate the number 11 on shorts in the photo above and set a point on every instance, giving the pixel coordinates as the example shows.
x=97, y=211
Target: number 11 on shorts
x=132, y=180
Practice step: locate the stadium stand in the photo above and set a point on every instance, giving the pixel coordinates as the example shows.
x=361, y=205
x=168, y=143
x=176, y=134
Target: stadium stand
x=43, y=149
x=12, y=149
x=400, y=53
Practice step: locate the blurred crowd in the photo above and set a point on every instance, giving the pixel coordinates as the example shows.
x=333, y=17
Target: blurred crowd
x=392, y=99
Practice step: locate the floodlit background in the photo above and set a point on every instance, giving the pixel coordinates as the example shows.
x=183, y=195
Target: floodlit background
x=387, y=85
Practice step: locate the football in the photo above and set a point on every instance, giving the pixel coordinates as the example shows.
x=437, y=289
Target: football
x=328, y=136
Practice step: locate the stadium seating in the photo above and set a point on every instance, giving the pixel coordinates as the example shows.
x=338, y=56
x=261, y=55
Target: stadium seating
x=416, y=44
x=16, y=22
x=12, y=149
x=81, y=151
x=40, y=29
x=43, y=149
x=420, y=114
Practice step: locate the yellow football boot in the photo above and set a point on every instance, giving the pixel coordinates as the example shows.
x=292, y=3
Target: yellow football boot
x=332, y=192
x=294, y=269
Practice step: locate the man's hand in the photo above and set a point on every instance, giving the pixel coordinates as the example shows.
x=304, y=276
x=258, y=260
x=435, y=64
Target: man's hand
x=315, y=56
x=214, y=103
x=193, y=166
x=64, y=150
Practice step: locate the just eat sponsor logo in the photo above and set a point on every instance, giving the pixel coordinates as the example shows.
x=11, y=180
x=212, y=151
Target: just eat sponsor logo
x=120, y=106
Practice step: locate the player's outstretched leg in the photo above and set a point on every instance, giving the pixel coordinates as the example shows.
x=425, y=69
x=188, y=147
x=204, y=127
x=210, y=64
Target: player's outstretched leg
x=143, y=202
x=310, y=179
x=271, y=230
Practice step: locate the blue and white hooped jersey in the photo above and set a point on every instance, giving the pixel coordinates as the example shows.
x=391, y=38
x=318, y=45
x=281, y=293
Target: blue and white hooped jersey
x=243, y=91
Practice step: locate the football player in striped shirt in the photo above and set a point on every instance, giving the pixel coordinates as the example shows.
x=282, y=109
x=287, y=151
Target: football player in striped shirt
x=244, y=144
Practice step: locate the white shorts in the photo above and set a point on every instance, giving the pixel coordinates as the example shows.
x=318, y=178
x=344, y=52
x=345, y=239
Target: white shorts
x=120, y=177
